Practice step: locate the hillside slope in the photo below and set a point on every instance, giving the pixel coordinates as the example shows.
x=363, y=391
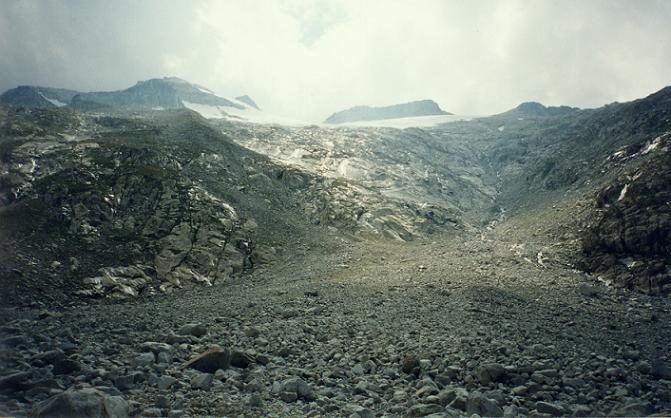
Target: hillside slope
x=127, y=206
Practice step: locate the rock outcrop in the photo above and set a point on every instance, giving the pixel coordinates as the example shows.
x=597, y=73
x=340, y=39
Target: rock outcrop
x=629, y=242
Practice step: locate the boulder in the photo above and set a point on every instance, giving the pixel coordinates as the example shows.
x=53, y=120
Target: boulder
x=82, y=403
x=211, y=360
x=202, y=381
x=299, y=387
x=409, y=363
x=477, y=403
x=489, y=373
x=197, y=330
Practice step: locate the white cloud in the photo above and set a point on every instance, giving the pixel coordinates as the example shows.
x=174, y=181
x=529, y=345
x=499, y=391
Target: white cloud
x=306, y=59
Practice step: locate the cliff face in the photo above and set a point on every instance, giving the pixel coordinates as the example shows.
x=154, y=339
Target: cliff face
x=629, y=241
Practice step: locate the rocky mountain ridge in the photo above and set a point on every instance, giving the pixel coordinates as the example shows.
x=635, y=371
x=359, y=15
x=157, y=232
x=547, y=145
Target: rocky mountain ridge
x=167, y=93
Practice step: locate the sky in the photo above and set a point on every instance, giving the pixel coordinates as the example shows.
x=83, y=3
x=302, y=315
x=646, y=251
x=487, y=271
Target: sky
x=306, y=59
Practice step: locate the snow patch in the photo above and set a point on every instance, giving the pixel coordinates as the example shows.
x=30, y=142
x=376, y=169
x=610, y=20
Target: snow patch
x=204, y=90
x=623, y=193
x=619, y=153
x=501, y=128
x=342, y=168
x=206, y=111
x=652, y=146
x=54, y=102
x=158, y=108
x=298, y=153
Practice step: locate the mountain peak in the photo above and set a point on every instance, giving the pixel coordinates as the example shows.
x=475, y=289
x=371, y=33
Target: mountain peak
x=248, y=101
x=536, y=109
x=402, y=110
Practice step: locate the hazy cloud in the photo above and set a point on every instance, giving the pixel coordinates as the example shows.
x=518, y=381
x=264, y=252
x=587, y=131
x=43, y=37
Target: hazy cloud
x=306, y=59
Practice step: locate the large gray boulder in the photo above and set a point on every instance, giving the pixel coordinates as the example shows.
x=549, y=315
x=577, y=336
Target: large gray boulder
x=87, y=402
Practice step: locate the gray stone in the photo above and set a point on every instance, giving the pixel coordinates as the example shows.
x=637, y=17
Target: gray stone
x=255, y=401
x=82, y=403
x=634, y=409
x=288, y=396
x=252, y=332
x=354, y=410
x=144, y=360
x=421, y=410
x=178, y=339
x=449, y=394
x=164, y=357
x=155, y=347
x=152, y=412
x=491, y=372
x=549, y=408
x=511, y=411
x=165, y=382
x=589, y=290
x=477, y=403
x=582, y=411
x=162, y=402
x=519, y=390
x=357, y=370
x=197, y=330
x=125, y=382
x=202, y=381
x=299, y=386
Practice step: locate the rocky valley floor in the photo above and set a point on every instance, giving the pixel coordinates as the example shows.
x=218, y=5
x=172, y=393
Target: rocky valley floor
x=463, y=325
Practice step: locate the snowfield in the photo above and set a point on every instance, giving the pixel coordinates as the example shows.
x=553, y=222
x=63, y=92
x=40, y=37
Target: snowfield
x=54, y=102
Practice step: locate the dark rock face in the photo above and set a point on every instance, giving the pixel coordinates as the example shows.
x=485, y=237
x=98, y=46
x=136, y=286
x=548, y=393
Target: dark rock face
x=630, y=240
x=404, y=110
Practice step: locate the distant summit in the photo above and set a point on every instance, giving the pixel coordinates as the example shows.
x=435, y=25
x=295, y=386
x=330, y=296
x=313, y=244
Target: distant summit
x=535, y=109
x=403, y=110
x=248, y=101
x=35, y=96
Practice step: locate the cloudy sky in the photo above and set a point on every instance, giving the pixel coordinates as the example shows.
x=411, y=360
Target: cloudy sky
x=305, y=59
